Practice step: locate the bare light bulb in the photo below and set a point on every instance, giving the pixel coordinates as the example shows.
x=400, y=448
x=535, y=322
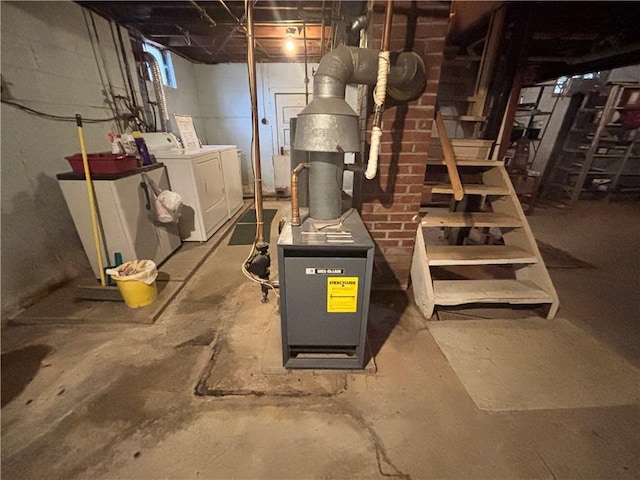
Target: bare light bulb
x=290, y=46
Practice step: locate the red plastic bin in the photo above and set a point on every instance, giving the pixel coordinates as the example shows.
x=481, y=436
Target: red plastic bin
x=103, y=163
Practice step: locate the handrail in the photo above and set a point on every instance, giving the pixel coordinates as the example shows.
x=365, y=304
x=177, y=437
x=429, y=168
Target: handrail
x=449, y=158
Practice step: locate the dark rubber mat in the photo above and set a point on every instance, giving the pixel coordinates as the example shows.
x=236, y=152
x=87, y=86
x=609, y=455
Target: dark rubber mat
x=245, y=230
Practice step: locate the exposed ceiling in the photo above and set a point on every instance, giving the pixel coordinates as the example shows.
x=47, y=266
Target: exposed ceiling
x=562, y=37
x=578, y=37
x=214, y=31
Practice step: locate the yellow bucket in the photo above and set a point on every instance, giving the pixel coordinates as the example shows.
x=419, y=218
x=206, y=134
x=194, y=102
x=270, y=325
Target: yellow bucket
x=137, y=294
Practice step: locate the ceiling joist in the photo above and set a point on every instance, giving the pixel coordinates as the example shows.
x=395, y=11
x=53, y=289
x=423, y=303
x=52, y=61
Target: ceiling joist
x=214, y=31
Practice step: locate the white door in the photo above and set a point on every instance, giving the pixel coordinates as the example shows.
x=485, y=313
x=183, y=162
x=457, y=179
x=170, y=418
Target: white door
x=288, y=105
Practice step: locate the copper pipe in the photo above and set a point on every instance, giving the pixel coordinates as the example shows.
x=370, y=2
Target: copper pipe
x=242, y=26
x=386, y=40
x=386, y=36
x=306, y=68
x=322, y=32
x=255, y=147
x=295, y=193
x=379, y=95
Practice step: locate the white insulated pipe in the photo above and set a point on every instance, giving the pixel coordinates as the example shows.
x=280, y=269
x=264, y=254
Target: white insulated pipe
x=379, y=96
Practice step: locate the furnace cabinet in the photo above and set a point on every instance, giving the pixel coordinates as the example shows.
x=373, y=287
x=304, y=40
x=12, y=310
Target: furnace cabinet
x=325, y=283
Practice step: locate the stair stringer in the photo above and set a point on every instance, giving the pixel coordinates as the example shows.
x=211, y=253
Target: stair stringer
x=521, y=237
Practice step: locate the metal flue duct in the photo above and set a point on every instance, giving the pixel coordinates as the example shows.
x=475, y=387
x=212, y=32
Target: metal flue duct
x=325, y=185
x=328, y=123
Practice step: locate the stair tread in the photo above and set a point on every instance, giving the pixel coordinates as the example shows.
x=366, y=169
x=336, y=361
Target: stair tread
x=456, y=292
x=471, y=189
x=469, y=219
x=465, y=118
x=467, y=162
x=439, y=255
x=461, y=60
x=470, y=98
x=456, y=80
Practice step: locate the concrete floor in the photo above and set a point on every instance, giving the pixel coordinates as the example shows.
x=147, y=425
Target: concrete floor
x=117, y=400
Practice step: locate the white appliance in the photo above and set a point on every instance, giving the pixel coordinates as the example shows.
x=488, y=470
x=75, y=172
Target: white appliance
x=160, y=141
x=231, y=170
x=126, y=216
x=208, y=180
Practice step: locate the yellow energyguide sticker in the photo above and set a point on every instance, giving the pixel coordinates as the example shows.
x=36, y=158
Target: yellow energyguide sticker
x=342, y=294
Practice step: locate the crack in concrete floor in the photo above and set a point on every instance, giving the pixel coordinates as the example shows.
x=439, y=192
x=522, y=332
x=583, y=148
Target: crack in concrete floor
x=128, y=408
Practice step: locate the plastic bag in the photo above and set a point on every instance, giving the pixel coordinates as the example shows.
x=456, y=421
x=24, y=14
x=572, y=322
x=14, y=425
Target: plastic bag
x=144, y=271
x=167, y=204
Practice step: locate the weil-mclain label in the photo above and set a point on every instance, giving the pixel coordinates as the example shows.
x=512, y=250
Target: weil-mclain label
x=342, y=294
x=324, y=271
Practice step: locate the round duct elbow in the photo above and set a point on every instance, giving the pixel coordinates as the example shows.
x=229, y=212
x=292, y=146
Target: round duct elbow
x=328, y=123
x=413, y=78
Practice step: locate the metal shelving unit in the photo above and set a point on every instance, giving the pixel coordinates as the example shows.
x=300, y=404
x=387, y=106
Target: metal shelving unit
x=531, y=113
x=533, y=121
x=601, y=153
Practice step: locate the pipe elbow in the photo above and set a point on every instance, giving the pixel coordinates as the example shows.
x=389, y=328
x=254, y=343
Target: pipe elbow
x=407, y=77
x=328, y=123
x=343, y=65
x=334, y=71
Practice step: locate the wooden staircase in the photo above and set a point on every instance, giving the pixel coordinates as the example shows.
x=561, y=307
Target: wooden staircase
x=474, y=244
x=461, y=107
x=480, y=249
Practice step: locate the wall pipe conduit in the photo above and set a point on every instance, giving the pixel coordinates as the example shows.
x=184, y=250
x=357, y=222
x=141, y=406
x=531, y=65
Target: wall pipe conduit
x=161, y=98
x=255, y=146
x=379, y=95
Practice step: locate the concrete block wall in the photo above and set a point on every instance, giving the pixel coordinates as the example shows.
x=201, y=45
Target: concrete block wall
x=48, y=64
x=184, y=99
x=226, y=109
x=391, y=201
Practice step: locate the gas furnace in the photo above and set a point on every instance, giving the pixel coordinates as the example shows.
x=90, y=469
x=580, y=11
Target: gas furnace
x=325, y=280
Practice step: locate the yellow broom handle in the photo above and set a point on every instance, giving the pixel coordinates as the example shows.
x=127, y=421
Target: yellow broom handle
x=92, y=203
